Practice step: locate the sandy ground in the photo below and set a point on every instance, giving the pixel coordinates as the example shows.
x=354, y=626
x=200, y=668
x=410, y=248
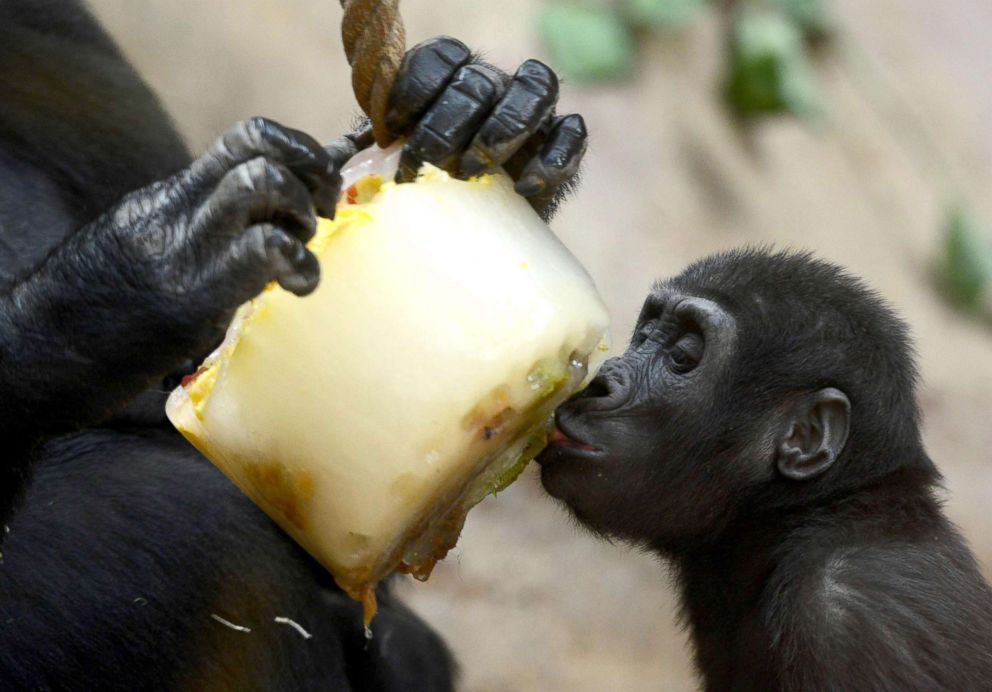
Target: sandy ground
x=528, y=601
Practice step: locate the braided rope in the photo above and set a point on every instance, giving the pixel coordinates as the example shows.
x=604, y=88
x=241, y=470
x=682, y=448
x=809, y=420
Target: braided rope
x=374, y=41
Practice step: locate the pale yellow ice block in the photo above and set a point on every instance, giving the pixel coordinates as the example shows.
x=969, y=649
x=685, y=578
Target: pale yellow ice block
x=368, y=417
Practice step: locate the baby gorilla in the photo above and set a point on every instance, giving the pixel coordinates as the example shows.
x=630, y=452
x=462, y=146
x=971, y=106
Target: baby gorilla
x=761, y=432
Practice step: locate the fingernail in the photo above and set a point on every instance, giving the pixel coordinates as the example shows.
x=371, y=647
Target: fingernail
x=472, y=165
x=325, y=202
x=529, y=185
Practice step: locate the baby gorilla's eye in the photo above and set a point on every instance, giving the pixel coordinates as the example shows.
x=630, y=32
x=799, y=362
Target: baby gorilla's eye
x=686, y=353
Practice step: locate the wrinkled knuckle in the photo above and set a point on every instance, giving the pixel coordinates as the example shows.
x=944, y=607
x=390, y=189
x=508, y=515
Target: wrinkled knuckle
x=477, y=83
x=257, y=124
x=477, y=73
x=250, y=176
x=258, y=169
x=214, y=158
x=256, y=129
x=503, y=125
x=272, y=172
x=466, y=73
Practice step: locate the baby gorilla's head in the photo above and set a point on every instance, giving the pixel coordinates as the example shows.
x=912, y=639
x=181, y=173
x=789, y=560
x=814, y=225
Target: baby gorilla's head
x=753, y=381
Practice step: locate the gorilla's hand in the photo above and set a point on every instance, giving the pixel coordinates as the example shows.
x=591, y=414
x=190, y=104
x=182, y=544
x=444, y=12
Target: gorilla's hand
x=235, y=220
x=155, y=280
x=468, y=117
x=215, y=234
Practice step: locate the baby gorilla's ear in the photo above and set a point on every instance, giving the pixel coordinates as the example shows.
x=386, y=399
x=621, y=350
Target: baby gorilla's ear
x=815, y=434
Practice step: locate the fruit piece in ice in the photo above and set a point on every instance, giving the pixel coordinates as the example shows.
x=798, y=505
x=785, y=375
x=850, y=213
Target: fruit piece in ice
x=421, y=375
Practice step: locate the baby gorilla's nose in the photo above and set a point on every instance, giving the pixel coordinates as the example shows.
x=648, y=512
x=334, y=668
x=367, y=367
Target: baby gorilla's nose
x=597, y=389
x=609, y=389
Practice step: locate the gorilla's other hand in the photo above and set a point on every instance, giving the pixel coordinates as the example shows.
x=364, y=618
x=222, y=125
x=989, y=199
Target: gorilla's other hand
x=468, y=117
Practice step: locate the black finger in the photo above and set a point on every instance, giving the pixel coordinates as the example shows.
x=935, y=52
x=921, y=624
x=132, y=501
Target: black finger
x=344, y=148
x=557, y=161
x=261, y=190
x=265, y=253
x=296, y=150
x=426, y=70
x=446, y=129
x=527, y=105
x=294, y=267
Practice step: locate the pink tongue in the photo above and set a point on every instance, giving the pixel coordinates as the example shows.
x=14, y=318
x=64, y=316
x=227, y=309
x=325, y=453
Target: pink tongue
x=560, y=437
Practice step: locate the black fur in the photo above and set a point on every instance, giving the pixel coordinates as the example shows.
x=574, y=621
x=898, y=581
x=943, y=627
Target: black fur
x=762, y=433
x=121, y=261
x=118, y=267
x=126, y=546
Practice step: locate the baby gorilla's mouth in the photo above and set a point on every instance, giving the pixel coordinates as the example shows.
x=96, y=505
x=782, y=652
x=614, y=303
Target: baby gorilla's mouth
x=558, y=437
x=570, y=467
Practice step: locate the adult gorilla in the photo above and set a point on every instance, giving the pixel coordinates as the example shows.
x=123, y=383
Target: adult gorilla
x=127, y=557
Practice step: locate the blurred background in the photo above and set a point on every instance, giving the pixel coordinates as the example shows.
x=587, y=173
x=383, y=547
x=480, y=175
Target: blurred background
x=859, y=129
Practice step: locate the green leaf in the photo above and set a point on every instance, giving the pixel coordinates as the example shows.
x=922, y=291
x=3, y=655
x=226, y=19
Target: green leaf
x=769, y=70
x=967, y=260
x=667, y=15
x=810, y=16
x=587, y=43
